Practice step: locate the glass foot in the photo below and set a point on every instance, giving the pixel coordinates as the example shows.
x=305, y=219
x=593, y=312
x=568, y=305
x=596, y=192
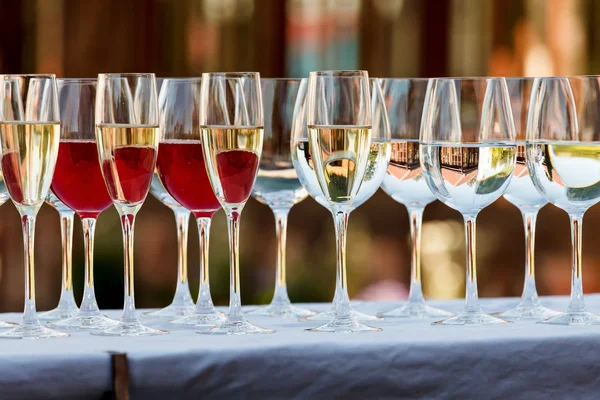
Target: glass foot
x=344, y=325
x=84, y=322
x=33, y=330
x=415, y=310
x=573, y=318
x=7, y=325
x=171, y=311
x=130, y=328
x=330, y=315
x=213, y=319
x=236, y=327
x=281, y=311
x=58, y=314
x=471, y=318
x=528, y=312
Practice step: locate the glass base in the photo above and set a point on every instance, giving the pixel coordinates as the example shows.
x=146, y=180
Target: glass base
x=471, y=318
x=212, y=319
x=84, y=322
x=238, y=326
x=281, y=311
x=130, y=328
x=528, y=312
x=7, y=325
x=344, y=325
x=58, y=314
x=330, y=315
x=33, y=330
x=415, y=310
x=171, y=311
x=573, y=318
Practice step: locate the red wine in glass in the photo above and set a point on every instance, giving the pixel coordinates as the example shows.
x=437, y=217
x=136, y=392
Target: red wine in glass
x=129, y=176
x=237, y=171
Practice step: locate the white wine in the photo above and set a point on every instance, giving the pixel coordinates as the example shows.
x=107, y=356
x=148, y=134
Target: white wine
x=566, y=173
x=157, y=189
x=376, y=168
x=340, y=156
x=468, y=177
x=29, y=152
x=404, y=180
x=278, y=186
x=127, y=158
x=520, y=191
x=232, y=155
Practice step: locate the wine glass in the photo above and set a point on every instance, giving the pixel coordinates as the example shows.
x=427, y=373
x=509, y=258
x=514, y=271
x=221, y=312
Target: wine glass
x=78, y=183
x=563, y=157
x=182, y=171
x=377, y=165
x=523, y=195
x=127, y=137
x=277, y=184
x=67, y=307
x=231, y=119
x=342, y=139
x=29, y=134
x=404, y=182
x=467, y=152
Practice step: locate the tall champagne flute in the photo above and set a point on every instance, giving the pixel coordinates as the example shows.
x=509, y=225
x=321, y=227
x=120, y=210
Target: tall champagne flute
x=127, y=137
x=29, y=134
x=66, y=307
x=78, y=183
x=467, y=152
x=277, y=184
x=182, y=171
x=231, y=119
x=376, y=167
x=563, y=157
x=523, y=195
x=404, y=182
x=341, y=141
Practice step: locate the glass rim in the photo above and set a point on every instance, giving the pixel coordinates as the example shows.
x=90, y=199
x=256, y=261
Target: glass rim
x=181, y=80
x=469, y=78
x=81, y=81
x=340, y=73
x=230, y=74
x=12, y=76
x=282, y=79
x=402, y=79
x=557, y=77
x=126, y=74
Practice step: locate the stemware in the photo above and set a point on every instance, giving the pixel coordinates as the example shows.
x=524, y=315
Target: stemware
x=563, y=157
x=231, y=119
x=127, y=137
x=377, y=165
x=29, y=134
x=78, y=183
x=404, y=182
x=467, y=152
x=523, y=195
x=182, y=171
x=346, y=142
x=67, y=307
x=277, y=184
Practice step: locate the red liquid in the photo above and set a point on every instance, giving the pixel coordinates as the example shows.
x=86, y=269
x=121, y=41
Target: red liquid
x=12, y=175
x=182, y=171
x=237, y=171
x=128, y=178
x=78, y=181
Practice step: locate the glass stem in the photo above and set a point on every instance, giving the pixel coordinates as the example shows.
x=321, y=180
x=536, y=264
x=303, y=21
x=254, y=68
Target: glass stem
x=576, y=304
x=182, y=290
x=88, y=303
x=342, y=305
x=127, y=223
x=28, y=221
x=472, y=298
x=415, y=294
x=205, y=303
x=530, y=296
x=280, y=296
x=66, y=233
x=235, y=301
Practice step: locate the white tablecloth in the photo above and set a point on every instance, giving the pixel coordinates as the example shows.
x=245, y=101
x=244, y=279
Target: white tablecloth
x=407, y=359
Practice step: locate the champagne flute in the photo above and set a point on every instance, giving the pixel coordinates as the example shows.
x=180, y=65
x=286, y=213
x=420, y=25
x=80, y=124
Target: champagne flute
x=277, y=184
x=231, y=119
x=563, y=157
x=523, y=195
x=341, y=141
x=404, y=182
x=29, y=134
x=467, y=152
x=377, y=165
x=182, y=171
x=127, y=137
x=67, y=307
x=78, y=183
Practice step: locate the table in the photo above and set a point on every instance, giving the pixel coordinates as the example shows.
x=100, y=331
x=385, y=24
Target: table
x=408, y=359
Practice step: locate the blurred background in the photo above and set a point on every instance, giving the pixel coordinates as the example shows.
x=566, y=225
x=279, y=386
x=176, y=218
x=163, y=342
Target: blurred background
x=390, y=38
